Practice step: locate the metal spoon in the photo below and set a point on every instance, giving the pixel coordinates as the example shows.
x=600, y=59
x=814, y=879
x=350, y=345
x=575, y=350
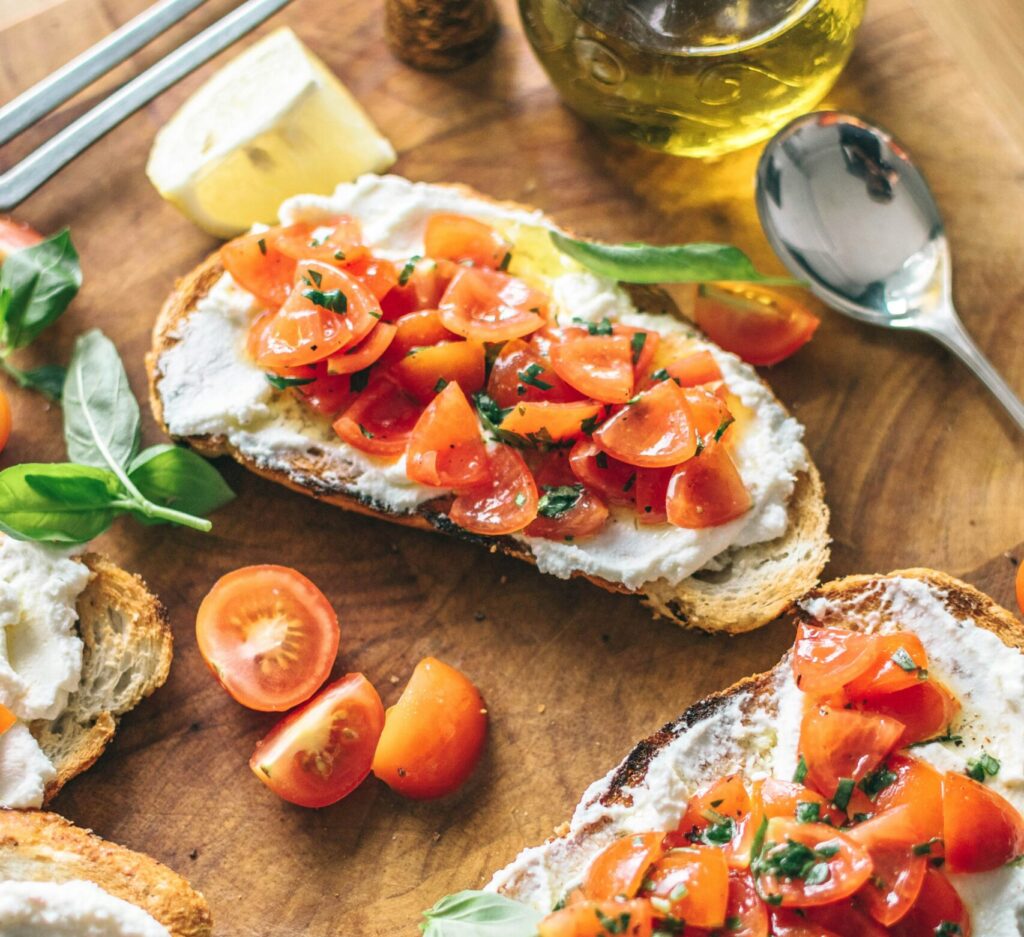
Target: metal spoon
x=845, y=208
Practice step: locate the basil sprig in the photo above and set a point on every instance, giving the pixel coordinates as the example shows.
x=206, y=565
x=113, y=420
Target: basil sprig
x=479, y=914
x=672, y=263
x=74, y=501
x=36, y=285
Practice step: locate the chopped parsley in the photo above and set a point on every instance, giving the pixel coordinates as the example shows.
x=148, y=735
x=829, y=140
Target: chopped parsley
x=792, y=860
x=801, y=770
x=808, y=812
x=441, y=384
x=616, y=924
x=334, y=300
x=924, y=849
x=902, y=659
x=520, y=499
x=505, y=261
x=588, y=425
x=262, y=245
x=636, y=343
x=489, y=410
x=339, y=255
x=660, y=375
x=843, y=793
x=408, y=269
x=359, y=380
x=559, y=500
x=313, y=278
x=982, y=767
x=365, y=431
x=604, y=327
x=720, y=831
x=957, y=740
x=877, y=781
x=283, y=382
x=630, y=482
x=601, y=459
x=531, y=375
x=947, y=929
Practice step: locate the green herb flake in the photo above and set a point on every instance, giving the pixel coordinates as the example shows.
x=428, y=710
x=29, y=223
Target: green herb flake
x=925, y=848
x=365, y=431
x=315, y=277
x=281, y=383
x=902, y=659
x=948, y=736
x=808, y=812
x=800, y=775
x=588, y=425
x=408, y=269
x=520, y=499
x=604, y=327
x=660, y=375
x=982, y=767
x=557, y=501
x=947, y=929
x=843, y=793
x=262, y=245
x=630, y=482
x=877, y=781
x=531, y=375
x=359, y=380
x=733, y=922
x=333, y=300
x=505, y=261
x=339, y=255
x=441, y=384
x=678, y=893
x=636, y=344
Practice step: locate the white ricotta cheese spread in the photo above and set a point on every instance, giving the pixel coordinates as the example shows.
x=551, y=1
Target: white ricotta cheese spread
x=209, y=387
x=71, y=909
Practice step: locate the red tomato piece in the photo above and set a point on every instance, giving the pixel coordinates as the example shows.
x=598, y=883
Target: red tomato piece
x=900, y=662
x=446, y=448
x=425, y=371
x=652, y=494
x=434, y=735
x=365, y=353
x=612, y=479
x=841, y=919
x=694, y=369
x=788, y=923
x=619, y=869
x=416, y=330
x=334, y=240
x=465, y=240
x=711, y=414
x=707, y=491
x=547, y=336
x=421, y=284
x=918, y=786
x=746, y=914
x=554, y=421
x=760, y=325
x=7, y=718
x=520, y=375
x=323, y=751
x=841, y=743
x=690, y=883
x=925, y=709
x=824, y=660
x=890, y=838
x=15, y=235
x=643, y=343
x=721, y=813
x=377, y=275
x=507, y=502
x=586, y=516
x=380, y=420
x=269, y=635
x=783, y=799
x=598, y=366
x=592, y=919
x=655, y=431
x=257, y=266
x=982, y=830
x=937, y=904
x=488, y=306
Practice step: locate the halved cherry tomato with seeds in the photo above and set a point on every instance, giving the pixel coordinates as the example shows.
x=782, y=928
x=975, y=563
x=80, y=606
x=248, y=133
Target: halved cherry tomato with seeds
x=520, y=375
x=614, y=480
x=982, y=830
x=925, y=709
x=15, y=235
x=365, y=353
x=824, y=660
x=416, y=330
x=462, y=239
x=938, y=906
x=586, y=512
x=654, y=431
x=446, y=448
x=380, y=420
x=323, y=751
x=257, y=266
x=425, y=371
x=488, y=306
x=269, y=635
x=555, y=421
x=619, y=869
x=900, y=662
x=507, y=502
x=707, y=491
x=599, y=919
x=691, y=884
x=711, y=415
x=598, y=366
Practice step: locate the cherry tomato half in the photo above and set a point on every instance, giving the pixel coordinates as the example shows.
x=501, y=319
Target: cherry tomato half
x=446, y=448
x=620, y=868
x=707, y=491
x=655, y=430
x=488, y=306
x=507, y=502
x=982, y=830
x=694, y=880
x=598, y=366
x=938, y=910
x=824, y=660
x=380, y=420
x=459, y=238
x=898, y=873
x=593, y=919
x=14, y=235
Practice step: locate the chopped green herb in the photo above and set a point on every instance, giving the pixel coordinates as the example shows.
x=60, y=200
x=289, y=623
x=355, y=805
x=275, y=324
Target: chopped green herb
x=843, y=793
x=947, y=929
x=630, y=482
x=636, y=344
x=505, y=261
x=588, y=425
x=601, y=459
x=375, y=314
x=489, y=410
x=801, y=770
x=719, y=832
x=318, y=242
x=520, y=499
x=733, y=922
x=678, y=893
x=334, y=300
x=339, y=255
x=441, y=384
x=957, y=740
x=723, y=426
x=604, y=327
x=283, y=382
x=660, y=375
x=359, y=380
x=262, y=245
x=408, y=270
x=558, y=500
x=877, y=781
x=531, y=375
x=618, y=924
x=982, y=767
x=902, y=659
x=808, y=812
x=924, y=849
x=365, y=431
x=315, y=277
x=792, y=860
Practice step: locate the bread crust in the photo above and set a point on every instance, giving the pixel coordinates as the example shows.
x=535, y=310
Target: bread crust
x=773, y=574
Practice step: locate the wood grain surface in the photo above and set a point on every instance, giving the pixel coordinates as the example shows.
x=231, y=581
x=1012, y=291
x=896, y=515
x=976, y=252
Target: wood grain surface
x=921, y=466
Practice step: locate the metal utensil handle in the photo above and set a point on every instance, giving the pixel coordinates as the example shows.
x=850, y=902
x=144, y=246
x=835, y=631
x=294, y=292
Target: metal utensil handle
x=82, y=71
x=21, y=181
x=951, y=332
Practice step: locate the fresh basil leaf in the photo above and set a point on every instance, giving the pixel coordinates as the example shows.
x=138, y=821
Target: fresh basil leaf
x=179, y=478
x=36, y=285
x=480, y=914
x=61, y=503
x=48, y=379
x=673, y=263
x=101, y=415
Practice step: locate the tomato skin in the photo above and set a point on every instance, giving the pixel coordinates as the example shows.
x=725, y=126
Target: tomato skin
x=365, y=353
x=377, y=275
x=885, y=675
x=937, y=902
x=585, y=919
x=422, y=290
x=416, y=330
x=694, y=369
x=380, y=420
x=15, y=235
x=842, y=919
x=327, y=393
x=898, y=872
x=459, y=238
x=925, y=709
x=917, y=786
x=726, y=798
x=982, y=830
x=269, y=636
x=507, y=502
x=711, y=415
x=707, y=491
x=760, y=325
x=344, y=236
x=642, y=351
x=704, y=876
x=446, y=449
x=257, y=266
x=5, y=419
x=322, y=751
x=434, y=735
x=558, y=420
x=487, y=306
x=620, y=868
x=612, y=479
x=587, y=516
x=459, y=362
x=655, y=431
x=598, y=366
x=824, y=660
x=507, y=388
x=781, y=798
x=652, y=494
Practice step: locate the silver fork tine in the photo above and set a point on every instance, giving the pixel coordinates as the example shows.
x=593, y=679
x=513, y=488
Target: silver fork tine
x=80, y=72
x=23, y=179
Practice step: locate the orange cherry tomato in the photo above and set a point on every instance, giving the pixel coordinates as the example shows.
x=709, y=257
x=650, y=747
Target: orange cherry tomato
x=900, y=662
x=520, y=375
x=507, y=502
x=421, y=284
x=694, y=369
x=380, y=420
x=446, y=448
x=890, y=838
x=925, y=709
x=598, y=366
x=707, y=490
x=269, y=635
x=690, y=883
x=377, y=275
x=652, y=494
x=613, y=480
x=745, y=915
x=762, y=326
x=334, y=240
x=982, y=830
x=462, y=239
x=654, y=431
x=718, y=814
x=711, y=414
x=434, y=735
x=322, y=751
x=7, y=718
x=257, y=266
x=488, y=306
x=416, y=330
x=593, y=918
x=619, y=869
x=841, y=919
x=547, y=336
x=643, y=343
x=841, y=743
x=555, y=421
x=424, y=371
x=365, y=353
x=917, y=786
x=848, y=864
x=15, y=235
x=937, y=904
x=824, y=660
x=5, y=419
x=586, y=516
x=783, y=799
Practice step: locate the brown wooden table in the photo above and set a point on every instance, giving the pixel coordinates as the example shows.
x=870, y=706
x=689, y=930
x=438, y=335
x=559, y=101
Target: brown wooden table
x=921, y=466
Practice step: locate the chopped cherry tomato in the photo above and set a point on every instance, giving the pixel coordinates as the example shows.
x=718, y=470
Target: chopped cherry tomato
x=591, y=919
x=925, y=710
x=652, y=494
x=694, y=881
x=694, y=369
x=746, y=914
x=446, y=448
x=842, y=744
x=322, y=751
x=643, y=343
x=507, y=502
x=937, y=904
x=788, y=923
x=619, y=869
x=257, y=266
x=614, y=480
x=462, y=239
x=824, y=660
x=5, y=419
x=7, y=718
x=898, y=873
x=365, y=353
x=547, y=336
x=434, y=735
x=554, y=421
x=586, y=515
x=326, y=393
x=15, y=235
x=521, y=375
x=711, y=415
x=723, y=814
x=654, y=431
x=784, y=799
x=424, y=371
x=335, y=240
x=598, y=366
x=421, y=284
x=841, y=919
x=840, y=866
x=416, y=330
x=762, y=326
x=707, y=491
x=982, y=830
x=380, y=420
x=269, y=635
x=377, y=275
x=900, y=662
x=488, y=306
x=918, y=786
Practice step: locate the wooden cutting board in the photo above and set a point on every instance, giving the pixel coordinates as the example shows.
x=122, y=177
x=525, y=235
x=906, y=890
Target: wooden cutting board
x=921, y=467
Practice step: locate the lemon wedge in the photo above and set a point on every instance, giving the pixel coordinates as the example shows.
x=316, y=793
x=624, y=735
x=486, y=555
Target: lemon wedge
x=272, y=123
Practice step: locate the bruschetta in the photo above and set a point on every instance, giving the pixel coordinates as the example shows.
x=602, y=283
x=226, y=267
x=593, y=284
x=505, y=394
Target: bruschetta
x=426, y=355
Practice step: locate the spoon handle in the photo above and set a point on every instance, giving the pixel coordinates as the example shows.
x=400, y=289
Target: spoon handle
x=951, y=333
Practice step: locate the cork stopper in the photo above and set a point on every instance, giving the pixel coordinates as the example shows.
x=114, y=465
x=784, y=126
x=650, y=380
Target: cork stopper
x=439, y=35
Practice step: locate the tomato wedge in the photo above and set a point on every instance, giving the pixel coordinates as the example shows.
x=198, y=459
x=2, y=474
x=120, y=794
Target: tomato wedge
x=654, y=431
x=416, y=330
x=462, y=239
x=595, y=918
x=721, y=813
x=446, y=448
x=365, y=353
x=334, y=240
x=890, y=838
x=694, y=369
x=841, y=919
x=322, y=751
x=507, y=502
x=380, y=420
x=792, y=800
x=619, y=869
x=613, y=480
x=760, y=325
x=900, y=662
x=598, y=366
x=982, y=830
x=925, y=709
x=434, y=735
x=938, y=911
x=690, y=883
x=551, y=421
x=377, y=275
x=520, y=375
x=652, y=494
x=425, y=371
x=643, y=343
x=257, y=266
x=7, y=719
x=824, y=660
x=918, y=786
x=585, y=515
x=269, y=635
x=421, y=284
x=488, y=306
x=707, y=491
x=15, y=235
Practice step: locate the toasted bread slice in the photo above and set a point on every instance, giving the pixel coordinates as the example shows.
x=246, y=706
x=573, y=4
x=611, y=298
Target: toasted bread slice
x=42, y=847
x=127, y=655
x=757, y=583
x=744, y=727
